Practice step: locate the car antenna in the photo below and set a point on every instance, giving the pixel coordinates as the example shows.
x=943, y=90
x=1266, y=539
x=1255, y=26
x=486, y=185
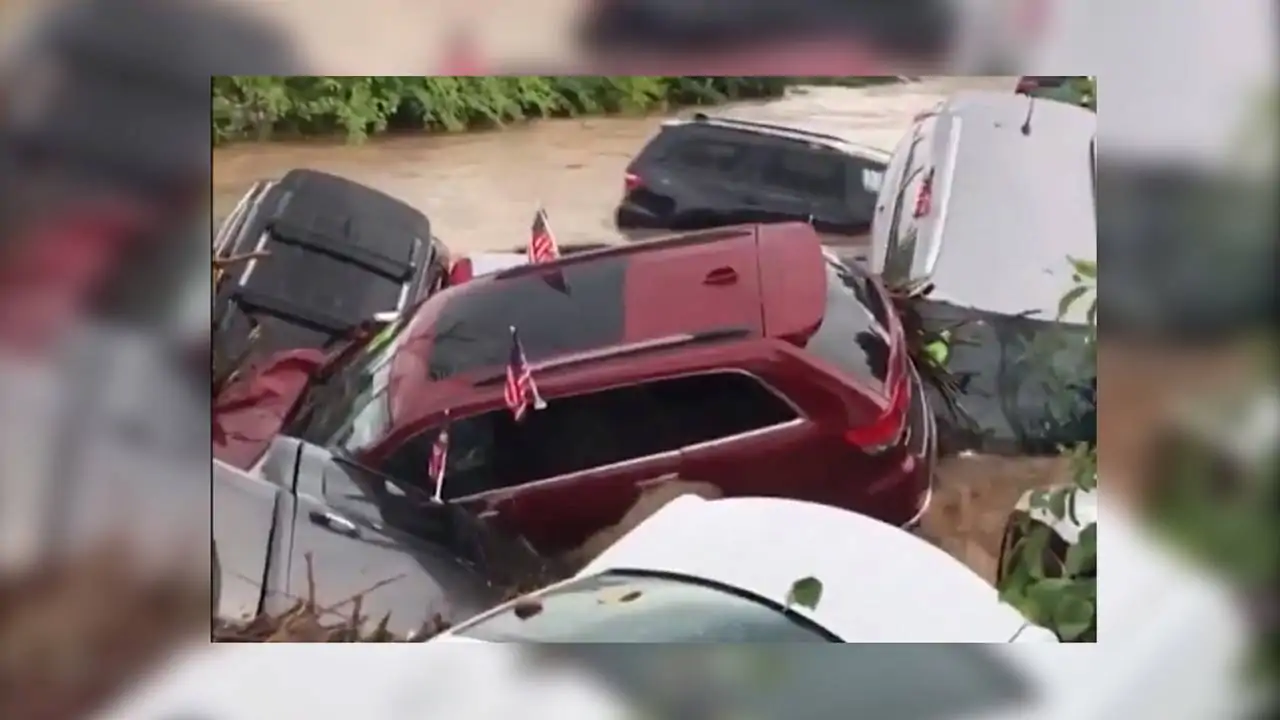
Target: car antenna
x=1031, y=107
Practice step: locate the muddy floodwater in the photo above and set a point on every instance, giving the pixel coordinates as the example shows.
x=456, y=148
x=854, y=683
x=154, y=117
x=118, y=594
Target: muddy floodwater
x=481, y=189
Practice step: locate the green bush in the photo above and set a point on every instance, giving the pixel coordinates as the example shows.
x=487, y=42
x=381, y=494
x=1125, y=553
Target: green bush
x=1063, y=598
x=258, y=107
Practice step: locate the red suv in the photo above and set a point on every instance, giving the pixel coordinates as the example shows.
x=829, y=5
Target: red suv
x=747, y=357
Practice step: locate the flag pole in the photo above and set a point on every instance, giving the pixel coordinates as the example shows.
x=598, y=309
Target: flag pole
x=538, y=402
x=546, y=220
x=438, y=495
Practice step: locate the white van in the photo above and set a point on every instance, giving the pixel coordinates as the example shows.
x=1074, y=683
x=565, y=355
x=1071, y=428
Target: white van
x=990, y=186
x=984, y=203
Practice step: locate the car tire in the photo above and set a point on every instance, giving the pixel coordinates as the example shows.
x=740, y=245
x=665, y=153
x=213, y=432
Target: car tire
x=337, y=253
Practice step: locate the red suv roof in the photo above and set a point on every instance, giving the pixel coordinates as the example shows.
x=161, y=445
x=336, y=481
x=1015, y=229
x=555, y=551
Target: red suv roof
x=751, y=280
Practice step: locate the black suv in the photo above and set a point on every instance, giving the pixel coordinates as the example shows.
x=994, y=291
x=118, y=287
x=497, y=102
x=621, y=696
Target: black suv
x=713, y=171
x=340, y=253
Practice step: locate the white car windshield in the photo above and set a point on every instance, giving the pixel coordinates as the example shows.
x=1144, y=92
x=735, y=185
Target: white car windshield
x=643, y=608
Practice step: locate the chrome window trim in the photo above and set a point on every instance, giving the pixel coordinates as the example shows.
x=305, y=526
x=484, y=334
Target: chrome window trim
x=799, y=420
x=235, y=220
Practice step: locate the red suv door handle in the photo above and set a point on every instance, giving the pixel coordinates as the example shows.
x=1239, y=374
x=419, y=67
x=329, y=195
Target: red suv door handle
x=721, y=276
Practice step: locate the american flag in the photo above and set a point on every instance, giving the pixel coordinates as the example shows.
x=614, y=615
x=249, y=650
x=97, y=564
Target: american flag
x=520, y=390
x=542, y=244
x=435, y=466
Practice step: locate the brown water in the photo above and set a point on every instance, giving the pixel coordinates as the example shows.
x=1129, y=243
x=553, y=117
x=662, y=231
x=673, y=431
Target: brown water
x=481, y=189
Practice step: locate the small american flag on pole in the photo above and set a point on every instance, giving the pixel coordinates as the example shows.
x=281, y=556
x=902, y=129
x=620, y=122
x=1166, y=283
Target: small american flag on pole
x=542, y=244
x=436, y=465
x=520, y=390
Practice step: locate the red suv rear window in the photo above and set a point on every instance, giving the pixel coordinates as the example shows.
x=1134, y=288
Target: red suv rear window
x=853, y=335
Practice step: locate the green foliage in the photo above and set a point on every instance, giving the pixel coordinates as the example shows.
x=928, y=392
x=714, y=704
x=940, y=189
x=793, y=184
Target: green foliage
x=1058, y=593
x=258, y=107
x=805, y=592
x=1082, y=91
x=1062, y=597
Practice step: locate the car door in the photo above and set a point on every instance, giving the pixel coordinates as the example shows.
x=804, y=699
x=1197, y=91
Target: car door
x=344, y=548
x=247, y=512
x=587, y=458
x=750, y=442
x=786, y=187
x=712, y=176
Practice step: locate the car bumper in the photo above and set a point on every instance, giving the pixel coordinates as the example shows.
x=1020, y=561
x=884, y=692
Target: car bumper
x=630, y=215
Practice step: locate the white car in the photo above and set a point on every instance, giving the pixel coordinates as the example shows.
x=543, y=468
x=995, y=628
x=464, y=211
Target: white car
x=985, y=203
x=720, y=571
x=1173, y=645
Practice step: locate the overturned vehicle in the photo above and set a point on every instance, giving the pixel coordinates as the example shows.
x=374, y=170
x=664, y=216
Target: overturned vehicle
x=985, y=223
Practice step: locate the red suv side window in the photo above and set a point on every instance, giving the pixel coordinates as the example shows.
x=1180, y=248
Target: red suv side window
x=572, y=434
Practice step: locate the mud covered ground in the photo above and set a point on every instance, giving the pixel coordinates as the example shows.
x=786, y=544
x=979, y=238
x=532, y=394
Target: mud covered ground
x=974, y=495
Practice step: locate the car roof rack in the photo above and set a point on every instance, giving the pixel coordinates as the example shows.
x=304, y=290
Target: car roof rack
x=622, y=350
x=785, y=131
x=730, y=121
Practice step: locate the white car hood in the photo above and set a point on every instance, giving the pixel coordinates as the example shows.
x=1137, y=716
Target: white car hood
x=880, y=583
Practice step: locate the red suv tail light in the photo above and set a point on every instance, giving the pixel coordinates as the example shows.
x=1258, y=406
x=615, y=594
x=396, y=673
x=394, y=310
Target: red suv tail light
x=632, y=182
x=886, y=430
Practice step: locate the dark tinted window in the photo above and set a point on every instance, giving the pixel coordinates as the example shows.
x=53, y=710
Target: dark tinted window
x=349, y=409
x=850, y=336
x=706, y=152
x=806, y=172
x=572, y=309
x=582, y=432
x=665, y=610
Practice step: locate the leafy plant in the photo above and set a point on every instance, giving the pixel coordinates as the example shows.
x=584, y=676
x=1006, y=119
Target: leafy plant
x=1053, y=589
x=805, y=592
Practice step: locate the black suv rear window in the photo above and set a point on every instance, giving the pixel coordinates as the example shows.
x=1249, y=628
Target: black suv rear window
x=853, y=336
x=701, y=149
x=582, y=309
